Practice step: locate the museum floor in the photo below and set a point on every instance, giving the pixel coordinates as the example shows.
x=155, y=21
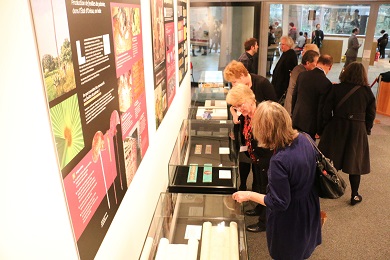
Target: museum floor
x=350, y=232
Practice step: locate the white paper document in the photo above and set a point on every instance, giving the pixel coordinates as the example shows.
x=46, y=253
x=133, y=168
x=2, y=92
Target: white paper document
x=225, y=174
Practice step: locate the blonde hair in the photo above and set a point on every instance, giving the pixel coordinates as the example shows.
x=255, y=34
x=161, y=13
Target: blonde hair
x=272, y=126
x=311, y=46
x=239, y=95
x=234, y=70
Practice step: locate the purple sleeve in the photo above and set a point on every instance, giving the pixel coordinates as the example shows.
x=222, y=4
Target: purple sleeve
x=278, y=197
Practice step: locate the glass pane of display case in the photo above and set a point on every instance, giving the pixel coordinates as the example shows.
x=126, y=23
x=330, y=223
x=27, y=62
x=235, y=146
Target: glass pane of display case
x=196, y=226
x=204, y=159
x=208, y=91
x=208, y=100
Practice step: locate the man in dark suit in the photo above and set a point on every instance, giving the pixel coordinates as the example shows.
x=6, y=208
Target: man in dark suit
x=309, y=94
x=353, y=47
x=317, y=36
x=286, y=63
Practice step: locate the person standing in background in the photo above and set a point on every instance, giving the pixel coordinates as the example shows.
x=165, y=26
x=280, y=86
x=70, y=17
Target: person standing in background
x=309, y=95
x=284, y=66
x=248, y=58
x=353, y=47
x=345, y=128
x=309, y=62
x=278, y=34
x=271, y=49
x=317, y=36
x=382, y=43
x=301, y=41
x=292, y=32
x=215, y=38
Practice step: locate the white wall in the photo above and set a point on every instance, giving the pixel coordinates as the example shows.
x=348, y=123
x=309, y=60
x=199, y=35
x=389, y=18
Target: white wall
x=34, y=222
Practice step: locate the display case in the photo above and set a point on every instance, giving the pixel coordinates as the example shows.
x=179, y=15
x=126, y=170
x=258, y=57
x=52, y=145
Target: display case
x=196, y=226
x=208, y=101
x=210, y=87
x=204, y=159
x=211, y=110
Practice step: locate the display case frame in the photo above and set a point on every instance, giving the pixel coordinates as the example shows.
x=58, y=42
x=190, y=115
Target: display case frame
x=180, y=220
x=206, y=144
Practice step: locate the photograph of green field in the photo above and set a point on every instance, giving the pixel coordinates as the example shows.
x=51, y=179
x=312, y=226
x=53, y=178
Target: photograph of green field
x=67, y=129
x=51, y=22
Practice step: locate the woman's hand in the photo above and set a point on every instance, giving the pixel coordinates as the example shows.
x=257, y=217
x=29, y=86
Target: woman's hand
x=234, y=115
x=241, y=196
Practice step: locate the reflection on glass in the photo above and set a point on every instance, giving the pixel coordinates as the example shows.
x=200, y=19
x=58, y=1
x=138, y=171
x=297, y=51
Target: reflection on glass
x=383, y=21
x=217, y=35
x=333, y=19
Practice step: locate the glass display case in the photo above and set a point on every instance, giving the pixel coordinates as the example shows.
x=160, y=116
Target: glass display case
x=208, y=101
x=204, y=159
x=211, y=110
x=196, y=226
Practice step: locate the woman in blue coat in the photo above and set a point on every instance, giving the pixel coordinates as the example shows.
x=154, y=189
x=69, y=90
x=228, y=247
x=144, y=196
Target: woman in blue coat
x=344, y=138
x=293, y=206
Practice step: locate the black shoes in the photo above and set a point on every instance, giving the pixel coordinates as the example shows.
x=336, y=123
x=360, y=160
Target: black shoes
x=258, y=227
x=252, y=212
x=356, y=199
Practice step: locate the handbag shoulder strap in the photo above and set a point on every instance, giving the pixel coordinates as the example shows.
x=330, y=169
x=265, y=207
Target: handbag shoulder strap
x=312, y=143
x=347, y=96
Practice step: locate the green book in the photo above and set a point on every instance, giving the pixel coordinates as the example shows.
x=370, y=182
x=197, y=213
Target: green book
x=207, y=172
x=192, y=173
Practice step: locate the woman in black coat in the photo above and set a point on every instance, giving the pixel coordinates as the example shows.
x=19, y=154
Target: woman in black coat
x=344, y=138
x=382, y=43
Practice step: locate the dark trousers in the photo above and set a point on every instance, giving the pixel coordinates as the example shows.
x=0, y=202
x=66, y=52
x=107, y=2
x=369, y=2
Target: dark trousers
x=262, y=182
x=244, y=169
x=382, y=52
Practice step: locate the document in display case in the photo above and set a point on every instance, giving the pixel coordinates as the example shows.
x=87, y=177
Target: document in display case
x=204, y=159
x=196, y=226
x=209, y=91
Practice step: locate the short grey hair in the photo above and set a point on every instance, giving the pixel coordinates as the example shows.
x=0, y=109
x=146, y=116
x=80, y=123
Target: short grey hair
x=290, y=42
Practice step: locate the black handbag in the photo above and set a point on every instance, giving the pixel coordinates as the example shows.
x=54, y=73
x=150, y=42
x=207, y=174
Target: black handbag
x=328, y=183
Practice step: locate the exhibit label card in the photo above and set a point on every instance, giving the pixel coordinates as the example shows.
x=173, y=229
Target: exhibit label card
x=225, y=174
x=192, y=173
x=224, y=150
x=198, y=149
x=193, y=231
x=208, y=149
x=207, y=172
